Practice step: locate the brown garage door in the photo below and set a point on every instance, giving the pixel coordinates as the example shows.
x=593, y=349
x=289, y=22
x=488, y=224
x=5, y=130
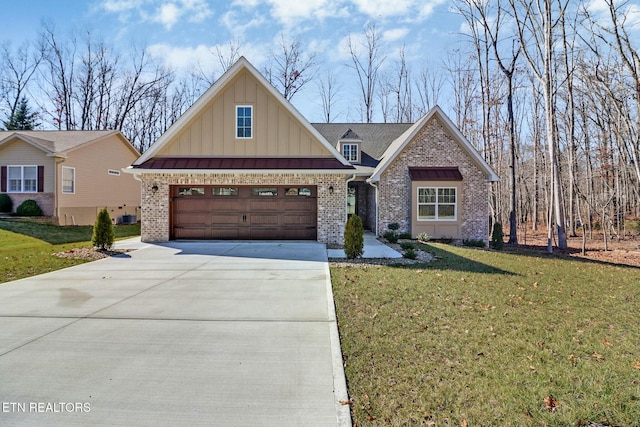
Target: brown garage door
x=242, y=212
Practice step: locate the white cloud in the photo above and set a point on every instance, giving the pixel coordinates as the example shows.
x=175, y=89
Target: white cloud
x=167, y=13
x=395, y=34
x=183, y=59
x=411, y=9
x=289, y=12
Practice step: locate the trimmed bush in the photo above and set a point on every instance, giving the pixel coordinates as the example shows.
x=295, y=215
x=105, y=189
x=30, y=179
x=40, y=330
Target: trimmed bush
x=391, y=236
x=29, y=208
x=407, y=245
x=393, y=226
x=353, y=237
x=477, y=243
x=404, y=235
x=410, y=254
x=103, y=233
x=497, y=237
x=6, y=204
x=423, y=237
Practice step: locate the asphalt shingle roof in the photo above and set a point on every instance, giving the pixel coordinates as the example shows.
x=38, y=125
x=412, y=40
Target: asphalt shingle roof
x=58, y=141
x=376, y=137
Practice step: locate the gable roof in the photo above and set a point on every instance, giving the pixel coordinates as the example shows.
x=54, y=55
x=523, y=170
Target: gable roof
x=239, y=66
x=407, y=136
x=60, y=142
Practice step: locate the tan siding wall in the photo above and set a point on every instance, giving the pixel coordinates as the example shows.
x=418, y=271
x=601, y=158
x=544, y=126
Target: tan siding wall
x=331, y=206
x=19, y=153
x=434, y=146
x=95, y=188
x=276, y=133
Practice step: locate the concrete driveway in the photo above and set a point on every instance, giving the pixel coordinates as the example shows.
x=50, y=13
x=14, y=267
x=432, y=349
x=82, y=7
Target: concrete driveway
x=186, y=333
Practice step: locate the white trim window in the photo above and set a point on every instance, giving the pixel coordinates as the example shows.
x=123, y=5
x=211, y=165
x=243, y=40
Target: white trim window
x=244, y=121
x=68, y=180
x=437, y=204
x=22, y=179
x=350, y=152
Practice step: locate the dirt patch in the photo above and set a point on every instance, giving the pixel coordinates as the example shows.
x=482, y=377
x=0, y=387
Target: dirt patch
x=623, y=251
x=90, y=254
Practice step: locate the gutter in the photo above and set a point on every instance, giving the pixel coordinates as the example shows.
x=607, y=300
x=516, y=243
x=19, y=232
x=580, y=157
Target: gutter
x=139, y=171
x=346, y=199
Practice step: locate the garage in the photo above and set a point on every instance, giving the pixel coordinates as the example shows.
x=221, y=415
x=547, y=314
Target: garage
x=265, y=212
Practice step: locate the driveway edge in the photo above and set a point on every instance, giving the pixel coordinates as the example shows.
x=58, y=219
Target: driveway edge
x=340, y=393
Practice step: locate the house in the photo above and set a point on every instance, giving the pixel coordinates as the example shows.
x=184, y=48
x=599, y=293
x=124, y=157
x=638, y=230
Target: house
x=243, y=163
x=70, y=174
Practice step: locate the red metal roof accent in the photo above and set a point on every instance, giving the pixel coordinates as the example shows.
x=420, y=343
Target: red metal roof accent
x=242, y=163
x=435, y=174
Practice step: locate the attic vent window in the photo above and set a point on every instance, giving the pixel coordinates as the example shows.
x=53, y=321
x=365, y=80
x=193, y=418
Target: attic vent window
x=113, y=172
x=244, y=122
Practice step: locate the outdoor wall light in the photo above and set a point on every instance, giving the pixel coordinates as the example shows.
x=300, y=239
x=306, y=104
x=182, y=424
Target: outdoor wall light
x=331, y=189
x=154, y=188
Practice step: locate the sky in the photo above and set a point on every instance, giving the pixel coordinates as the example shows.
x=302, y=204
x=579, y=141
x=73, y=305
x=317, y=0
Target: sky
x=183, y=34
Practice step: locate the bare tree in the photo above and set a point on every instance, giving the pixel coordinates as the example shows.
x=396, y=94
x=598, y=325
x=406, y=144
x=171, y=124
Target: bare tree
x=537, y=22
x=328, y=88
x=16, y=70
x=429, y=86
x=367, y=65
x=289, y=70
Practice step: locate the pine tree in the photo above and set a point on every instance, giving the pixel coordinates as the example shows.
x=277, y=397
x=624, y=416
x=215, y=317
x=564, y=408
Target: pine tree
x=103, y=233
x=23, y=118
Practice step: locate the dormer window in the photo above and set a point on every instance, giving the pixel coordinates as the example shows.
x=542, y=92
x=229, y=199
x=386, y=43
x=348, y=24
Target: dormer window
x=244, y=122
x=351, y=152
x=350, y=146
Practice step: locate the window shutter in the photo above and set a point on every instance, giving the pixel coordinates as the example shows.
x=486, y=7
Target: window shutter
x=40, y=179
x=3, y=178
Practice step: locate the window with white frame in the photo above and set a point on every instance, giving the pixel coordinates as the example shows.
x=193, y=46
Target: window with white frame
x=22, y=179
x=437, y=204
x=244, y=121
x=350, y=152
x=68, y=180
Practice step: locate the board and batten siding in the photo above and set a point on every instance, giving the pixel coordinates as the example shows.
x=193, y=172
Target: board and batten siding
x=276, y=132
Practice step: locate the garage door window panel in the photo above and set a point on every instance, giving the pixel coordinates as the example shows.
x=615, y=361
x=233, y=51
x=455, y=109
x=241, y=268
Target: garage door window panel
x=264, y=191
x=224, y=191
x=191, y=191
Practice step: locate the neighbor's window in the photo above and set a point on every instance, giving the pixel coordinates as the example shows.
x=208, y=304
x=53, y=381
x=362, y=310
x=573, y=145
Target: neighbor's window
x=244, y=121
x=22, y=179
x=68, y=180
x=350, y=152
x=437, y=204
x=224, y=191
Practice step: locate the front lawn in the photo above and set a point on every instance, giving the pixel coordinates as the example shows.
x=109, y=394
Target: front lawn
x=27, y=249
x=488, y=338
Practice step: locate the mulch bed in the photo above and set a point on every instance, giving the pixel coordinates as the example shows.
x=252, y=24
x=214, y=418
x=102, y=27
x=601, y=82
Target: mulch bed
x=91, y=254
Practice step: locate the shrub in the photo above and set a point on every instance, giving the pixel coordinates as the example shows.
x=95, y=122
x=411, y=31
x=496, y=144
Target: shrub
x=423, y=237
x=410, y=254
x=391, y=236
x=29, y=208
x=103, y=233
x=497, y=237
x=404, y=235
x=393, y=226
x=353, y=237
x=6, y=204
x=407, y=245
x=477, y=243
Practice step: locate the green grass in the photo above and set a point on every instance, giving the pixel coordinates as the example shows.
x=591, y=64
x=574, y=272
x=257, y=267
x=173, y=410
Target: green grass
x=26, y=249
x=484, y=337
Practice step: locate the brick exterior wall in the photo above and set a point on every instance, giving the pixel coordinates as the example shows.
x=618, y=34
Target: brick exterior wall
x=434, y=146
x=331, y=206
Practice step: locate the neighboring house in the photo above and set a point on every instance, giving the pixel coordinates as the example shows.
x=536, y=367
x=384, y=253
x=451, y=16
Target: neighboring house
x=243, y=163
x=70, y=174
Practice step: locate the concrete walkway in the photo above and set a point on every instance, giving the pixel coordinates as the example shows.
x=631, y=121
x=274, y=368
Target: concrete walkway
x=373, y=248
x=180, y=334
